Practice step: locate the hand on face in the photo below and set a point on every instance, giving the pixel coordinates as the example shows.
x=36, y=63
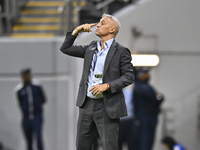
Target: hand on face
x=84, y=28
x=87, y=27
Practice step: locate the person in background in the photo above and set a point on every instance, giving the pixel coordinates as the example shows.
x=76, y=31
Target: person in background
x=146, y=109
x=1, y=146
x=2, y=17
x=31, y=97
x=170, y=144
x=2, y=5
x=126, y=123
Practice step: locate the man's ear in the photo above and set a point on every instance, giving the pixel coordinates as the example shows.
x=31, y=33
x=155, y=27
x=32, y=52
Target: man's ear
x=112, y=30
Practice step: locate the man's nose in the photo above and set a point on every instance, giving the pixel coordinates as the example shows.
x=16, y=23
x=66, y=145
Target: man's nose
x=98, y=24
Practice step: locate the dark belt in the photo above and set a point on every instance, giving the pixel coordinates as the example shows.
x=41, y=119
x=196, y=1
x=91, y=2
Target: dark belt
x=95, y=99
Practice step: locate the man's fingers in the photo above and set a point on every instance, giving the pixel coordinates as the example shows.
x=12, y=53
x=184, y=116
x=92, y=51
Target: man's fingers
x=97, y=94
x=95, y=91
x=91, y=89
x=92, y=24
x=87, y=27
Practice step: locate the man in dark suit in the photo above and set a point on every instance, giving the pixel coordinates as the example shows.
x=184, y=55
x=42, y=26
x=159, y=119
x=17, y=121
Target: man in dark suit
x=31, y=97
x=147, y=103
x=107, y=69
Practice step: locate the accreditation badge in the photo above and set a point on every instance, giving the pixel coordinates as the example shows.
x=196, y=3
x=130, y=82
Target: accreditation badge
x=97, y=79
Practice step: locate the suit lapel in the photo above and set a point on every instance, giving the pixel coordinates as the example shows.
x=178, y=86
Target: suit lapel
x=88, y=60
x=109, y=56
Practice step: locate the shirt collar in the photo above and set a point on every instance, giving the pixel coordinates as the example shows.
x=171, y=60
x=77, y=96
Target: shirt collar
x=107, y=44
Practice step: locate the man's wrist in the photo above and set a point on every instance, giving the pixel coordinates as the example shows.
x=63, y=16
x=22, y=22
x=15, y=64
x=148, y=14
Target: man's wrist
x=108, y=86
x=75, y=33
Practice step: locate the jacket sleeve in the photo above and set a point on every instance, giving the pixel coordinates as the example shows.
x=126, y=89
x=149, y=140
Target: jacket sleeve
x=70, y=49
x=18, y=98
x=42, y=95
x=17, y=93
x=149, y=93
x=126, y=71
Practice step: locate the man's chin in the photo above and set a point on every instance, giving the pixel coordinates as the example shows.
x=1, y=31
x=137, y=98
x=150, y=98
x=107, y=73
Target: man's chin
x=97, y=34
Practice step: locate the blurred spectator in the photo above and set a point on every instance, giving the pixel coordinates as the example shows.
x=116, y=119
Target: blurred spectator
x=146, y=108
x=170, y=144
x=1, y=146
x=2, y=17
x=2, y=5
x=126, y=123
x=31, y=98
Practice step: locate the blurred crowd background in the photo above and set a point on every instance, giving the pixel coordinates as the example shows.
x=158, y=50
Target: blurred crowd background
x=32, y=31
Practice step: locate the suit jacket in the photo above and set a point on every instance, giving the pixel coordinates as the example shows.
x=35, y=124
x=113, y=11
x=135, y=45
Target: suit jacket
x=23, y=97
x=118, y=72
x=145, y=100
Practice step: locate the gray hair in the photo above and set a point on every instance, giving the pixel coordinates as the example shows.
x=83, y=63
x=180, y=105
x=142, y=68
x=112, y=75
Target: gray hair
x=118, y=25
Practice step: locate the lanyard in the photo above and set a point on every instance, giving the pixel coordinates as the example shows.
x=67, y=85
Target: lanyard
x=95, y=61
x=95, y=58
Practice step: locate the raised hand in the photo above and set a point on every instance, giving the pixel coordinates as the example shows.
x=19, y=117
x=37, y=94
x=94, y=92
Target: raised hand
x=84, y=28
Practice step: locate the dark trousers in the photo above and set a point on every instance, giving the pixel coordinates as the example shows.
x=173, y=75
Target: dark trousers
x=33, y=127
x=95, y=143
x=144, y=132
x=126, y=133
x=93, y=118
